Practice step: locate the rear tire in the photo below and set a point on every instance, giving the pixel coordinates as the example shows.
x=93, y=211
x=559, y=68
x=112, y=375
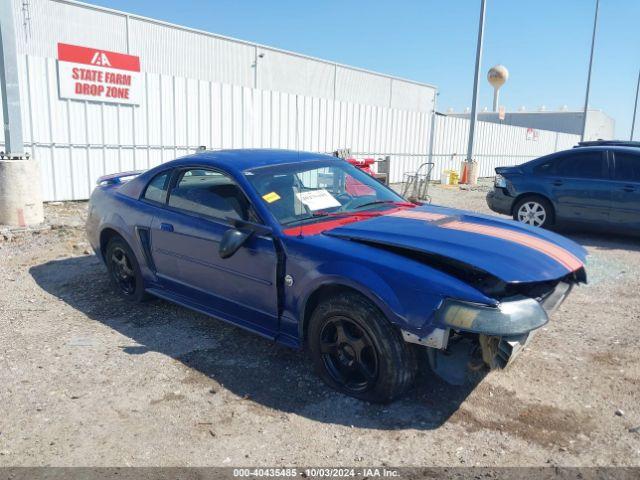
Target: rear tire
x=124, y=271
x=534, y=210
x=358, y=352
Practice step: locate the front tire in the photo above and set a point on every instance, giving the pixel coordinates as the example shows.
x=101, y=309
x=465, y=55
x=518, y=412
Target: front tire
x=533, y=210
x=357, y=351
x=124, y=271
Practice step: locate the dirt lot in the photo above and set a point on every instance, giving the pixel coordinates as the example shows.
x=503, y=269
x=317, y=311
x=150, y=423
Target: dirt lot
x=87, y=379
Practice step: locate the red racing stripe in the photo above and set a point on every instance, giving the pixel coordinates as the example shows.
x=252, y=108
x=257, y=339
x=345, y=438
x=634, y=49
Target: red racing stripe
x=321, y=226
x=324, y=225
x=559, y=254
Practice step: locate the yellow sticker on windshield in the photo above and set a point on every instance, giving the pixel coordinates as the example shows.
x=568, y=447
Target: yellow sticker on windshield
x=271, y=197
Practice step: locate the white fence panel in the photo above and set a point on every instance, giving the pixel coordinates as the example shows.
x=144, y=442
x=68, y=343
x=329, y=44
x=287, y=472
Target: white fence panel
x=76, y=142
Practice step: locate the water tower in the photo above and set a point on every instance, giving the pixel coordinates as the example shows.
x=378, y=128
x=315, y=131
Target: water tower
x=497, y=77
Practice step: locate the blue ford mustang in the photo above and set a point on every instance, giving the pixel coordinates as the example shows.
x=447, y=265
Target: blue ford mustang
x=307, y=250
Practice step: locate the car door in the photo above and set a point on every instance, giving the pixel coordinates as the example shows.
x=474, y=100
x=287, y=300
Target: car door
x=579, y=186
x=625, y=203
x=185, y=240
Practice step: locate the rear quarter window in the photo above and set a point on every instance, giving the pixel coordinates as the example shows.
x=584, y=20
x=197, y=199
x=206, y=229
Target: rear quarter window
x=156, y=190
x=545, y=168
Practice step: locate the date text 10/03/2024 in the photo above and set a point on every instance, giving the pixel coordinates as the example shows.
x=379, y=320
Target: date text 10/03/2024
x=372, y=472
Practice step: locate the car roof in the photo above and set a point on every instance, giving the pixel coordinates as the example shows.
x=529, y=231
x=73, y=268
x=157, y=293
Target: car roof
x=629, y=149
x=581, y=149
x=248, y=158
x=621, y=143
x=594, y=148
x=233, y=161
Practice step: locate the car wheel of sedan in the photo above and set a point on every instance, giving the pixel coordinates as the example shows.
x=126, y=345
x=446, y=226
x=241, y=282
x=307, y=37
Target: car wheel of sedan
x=124, y=270
x=358, y=352
x=534, y=211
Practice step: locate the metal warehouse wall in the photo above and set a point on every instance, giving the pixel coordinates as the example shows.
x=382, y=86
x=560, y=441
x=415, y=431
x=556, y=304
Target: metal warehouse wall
x=76, y=142
x=179, y=51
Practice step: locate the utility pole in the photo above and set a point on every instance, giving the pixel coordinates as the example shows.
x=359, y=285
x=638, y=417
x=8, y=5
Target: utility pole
x=474, y=104
x=635, y=109
x=20, y=191
x=9, y=83
x=586, y=97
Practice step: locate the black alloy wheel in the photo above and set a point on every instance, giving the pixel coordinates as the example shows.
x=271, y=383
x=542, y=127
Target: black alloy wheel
x=357, y=351
x=124, y=270
x=349, y=354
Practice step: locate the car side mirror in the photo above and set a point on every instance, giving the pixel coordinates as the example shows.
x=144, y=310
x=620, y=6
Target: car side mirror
x=231, y=241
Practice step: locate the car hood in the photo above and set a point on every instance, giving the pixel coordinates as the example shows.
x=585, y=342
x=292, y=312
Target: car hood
x=508, y=170
x=508, y=250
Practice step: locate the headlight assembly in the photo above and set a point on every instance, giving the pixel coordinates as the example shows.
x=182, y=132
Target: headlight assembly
x=514, y=317
x=500, y=181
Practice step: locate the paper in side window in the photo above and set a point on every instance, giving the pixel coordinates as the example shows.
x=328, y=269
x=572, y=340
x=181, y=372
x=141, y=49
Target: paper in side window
x=318, y=199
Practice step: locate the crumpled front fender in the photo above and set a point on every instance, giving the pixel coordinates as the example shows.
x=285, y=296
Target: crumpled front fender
x=354, y=276
x=404, y=305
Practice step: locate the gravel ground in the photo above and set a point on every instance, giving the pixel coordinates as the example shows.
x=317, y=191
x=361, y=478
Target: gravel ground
x=88, y=380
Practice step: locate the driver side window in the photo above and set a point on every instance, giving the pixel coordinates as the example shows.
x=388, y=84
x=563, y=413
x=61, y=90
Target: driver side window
x=210, y=193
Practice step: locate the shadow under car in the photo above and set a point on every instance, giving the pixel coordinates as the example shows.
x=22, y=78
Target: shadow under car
x=245, y=364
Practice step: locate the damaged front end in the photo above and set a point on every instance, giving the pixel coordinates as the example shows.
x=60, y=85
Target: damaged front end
x=523, y=275
x=470, y=336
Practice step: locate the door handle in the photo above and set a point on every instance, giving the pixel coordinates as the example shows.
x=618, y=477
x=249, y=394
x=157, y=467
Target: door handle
x=166, y=227
x=629, y=188
x=558, y=183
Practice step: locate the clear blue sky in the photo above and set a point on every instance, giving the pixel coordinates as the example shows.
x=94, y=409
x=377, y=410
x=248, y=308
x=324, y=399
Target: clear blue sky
x=543, y=43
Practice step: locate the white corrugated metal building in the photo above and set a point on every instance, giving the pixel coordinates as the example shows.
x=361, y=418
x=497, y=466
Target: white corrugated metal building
x=198, y=88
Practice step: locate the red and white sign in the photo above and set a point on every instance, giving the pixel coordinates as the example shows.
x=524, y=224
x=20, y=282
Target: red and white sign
x=98, y=75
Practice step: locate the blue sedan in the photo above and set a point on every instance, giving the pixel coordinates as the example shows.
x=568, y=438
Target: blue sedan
x=596, y=185
x=309, y=251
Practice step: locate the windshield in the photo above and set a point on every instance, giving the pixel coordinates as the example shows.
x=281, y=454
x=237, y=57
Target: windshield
x=300, y=193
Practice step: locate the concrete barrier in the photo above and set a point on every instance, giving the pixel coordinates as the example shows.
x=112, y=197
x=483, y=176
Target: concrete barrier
x=20, y=193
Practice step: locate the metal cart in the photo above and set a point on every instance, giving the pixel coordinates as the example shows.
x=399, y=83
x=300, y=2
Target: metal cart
x=416, y=184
